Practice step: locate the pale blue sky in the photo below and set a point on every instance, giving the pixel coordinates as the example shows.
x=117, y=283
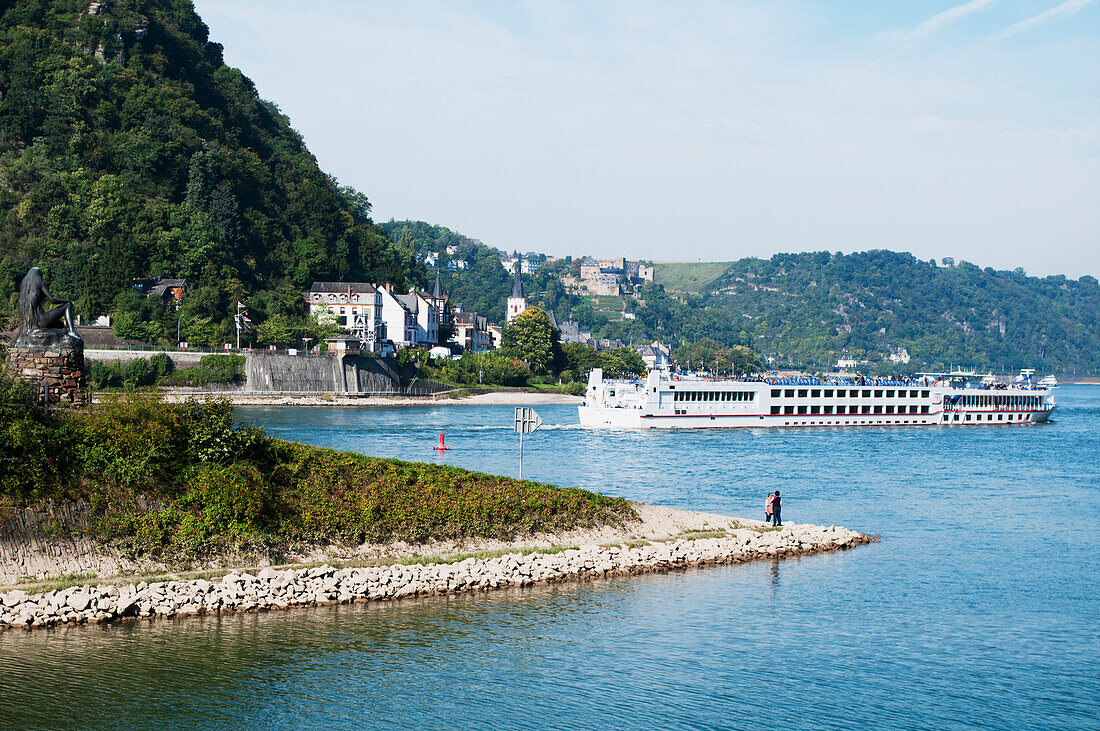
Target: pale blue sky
x=702, y=129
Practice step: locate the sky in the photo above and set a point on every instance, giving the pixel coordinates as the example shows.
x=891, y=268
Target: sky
x=702, y=129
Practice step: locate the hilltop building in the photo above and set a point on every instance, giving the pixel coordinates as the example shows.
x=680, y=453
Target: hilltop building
x=901, y=355
x=605, y=276
x=528, y=263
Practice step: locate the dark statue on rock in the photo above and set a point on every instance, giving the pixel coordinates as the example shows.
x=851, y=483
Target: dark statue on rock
x=39, y=326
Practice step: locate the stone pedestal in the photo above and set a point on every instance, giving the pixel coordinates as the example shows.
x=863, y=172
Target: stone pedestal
x=54, y=372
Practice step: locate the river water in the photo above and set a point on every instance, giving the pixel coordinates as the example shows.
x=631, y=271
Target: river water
x=979, y=608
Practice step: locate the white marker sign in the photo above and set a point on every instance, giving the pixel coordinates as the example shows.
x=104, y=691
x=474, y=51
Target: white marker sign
x=526, y=421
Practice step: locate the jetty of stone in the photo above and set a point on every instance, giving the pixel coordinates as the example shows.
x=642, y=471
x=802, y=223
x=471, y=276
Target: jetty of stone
x=271, y=589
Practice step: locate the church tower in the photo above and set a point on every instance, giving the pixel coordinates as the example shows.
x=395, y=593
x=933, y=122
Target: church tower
x=516, y=303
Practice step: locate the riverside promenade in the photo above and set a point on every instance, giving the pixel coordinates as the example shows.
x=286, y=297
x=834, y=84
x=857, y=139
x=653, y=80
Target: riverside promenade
x=721, y=541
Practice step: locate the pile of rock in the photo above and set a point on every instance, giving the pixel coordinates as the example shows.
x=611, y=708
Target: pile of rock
x=271, y=588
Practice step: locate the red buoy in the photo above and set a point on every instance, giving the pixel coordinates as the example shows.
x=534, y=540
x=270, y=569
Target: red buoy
x=441, y=447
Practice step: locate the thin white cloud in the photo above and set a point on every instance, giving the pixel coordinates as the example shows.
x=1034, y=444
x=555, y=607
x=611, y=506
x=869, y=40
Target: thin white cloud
x=1066, y=9
x=936, y=22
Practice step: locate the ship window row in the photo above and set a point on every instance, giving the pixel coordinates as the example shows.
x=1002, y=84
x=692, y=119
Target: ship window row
x=846, y=393
x=850, y=409
x=1000, y=417
x=994, y=401
x=714, y=396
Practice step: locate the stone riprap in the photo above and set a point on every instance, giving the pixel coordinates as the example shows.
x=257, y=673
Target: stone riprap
x=271, y=588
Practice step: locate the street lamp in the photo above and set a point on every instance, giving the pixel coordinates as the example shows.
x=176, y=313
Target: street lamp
x=179, y=320
x=307, y=341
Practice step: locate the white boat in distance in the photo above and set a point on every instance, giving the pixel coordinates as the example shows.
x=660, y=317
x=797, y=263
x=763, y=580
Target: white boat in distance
x=663, y=401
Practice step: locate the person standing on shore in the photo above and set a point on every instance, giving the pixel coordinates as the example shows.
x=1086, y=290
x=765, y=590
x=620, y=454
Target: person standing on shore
x=777, y=507
x=768, y=508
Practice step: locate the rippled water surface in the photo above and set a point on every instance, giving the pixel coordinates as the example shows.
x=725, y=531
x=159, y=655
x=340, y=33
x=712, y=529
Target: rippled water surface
x=980, y=607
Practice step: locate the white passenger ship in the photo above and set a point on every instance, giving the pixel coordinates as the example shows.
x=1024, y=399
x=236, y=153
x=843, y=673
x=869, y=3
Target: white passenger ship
x=664, y=402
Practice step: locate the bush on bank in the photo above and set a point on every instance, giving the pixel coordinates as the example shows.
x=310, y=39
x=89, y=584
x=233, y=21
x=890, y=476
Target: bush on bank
x=180, y=480
x=159, y=370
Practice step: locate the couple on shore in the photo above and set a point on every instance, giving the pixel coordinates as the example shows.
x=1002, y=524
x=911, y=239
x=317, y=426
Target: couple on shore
x=773, y=507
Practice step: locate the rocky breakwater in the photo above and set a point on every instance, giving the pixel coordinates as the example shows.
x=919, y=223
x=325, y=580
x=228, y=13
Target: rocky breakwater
x=271, y=588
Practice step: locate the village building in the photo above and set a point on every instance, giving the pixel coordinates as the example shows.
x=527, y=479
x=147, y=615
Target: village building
x=170, y=292
x=471, y=331
x=374, y=315
x=656, y=355
x=572, y=332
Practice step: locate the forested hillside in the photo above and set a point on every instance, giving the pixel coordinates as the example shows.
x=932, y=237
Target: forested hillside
x=812, y=307
x=482, y=287
x=128, y=149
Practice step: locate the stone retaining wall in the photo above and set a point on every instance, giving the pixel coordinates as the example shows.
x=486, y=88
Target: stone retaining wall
x=55, y=373
x=275, y=589
x=47, y=543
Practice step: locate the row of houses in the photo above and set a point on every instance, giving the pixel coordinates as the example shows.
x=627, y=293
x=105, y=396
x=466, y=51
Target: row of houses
x=377, y=315
x=381, y=318
x=528, y=263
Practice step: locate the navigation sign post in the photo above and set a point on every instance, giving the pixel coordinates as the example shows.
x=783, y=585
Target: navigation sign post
x=526, y=422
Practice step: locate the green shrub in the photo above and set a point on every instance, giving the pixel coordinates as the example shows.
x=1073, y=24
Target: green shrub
x=214, y=368
x=35, y=456
x=230, y=498
x=104, y=375
x=137, y=373
x=160, y=365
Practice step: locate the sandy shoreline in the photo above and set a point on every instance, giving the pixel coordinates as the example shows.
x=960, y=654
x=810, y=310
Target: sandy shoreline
x=495, y=398
x=664, y=539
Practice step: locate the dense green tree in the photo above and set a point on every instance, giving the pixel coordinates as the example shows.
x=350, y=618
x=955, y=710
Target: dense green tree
x=710, y=355
x=275, y=330
x=620, y=362
x=532, y=338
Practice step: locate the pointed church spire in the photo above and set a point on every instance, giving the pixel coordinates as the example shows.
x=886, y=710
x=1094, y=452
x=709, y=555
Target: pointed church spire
x=437, y=290
x=517, y=285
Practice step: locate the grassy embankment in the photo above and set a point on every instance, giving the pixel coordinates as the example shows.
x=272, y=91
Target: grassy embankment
x=209, y=487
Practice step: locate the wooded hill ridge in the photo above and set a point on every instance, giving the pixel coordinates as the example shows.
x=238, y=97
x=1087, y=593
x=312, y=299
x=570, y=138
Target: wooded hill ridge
x=129, y=149
x=811, y=309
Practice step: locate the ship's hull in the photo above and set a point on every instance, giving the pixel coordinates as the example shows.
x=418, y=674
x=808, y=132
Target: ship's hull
x=611, y=418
